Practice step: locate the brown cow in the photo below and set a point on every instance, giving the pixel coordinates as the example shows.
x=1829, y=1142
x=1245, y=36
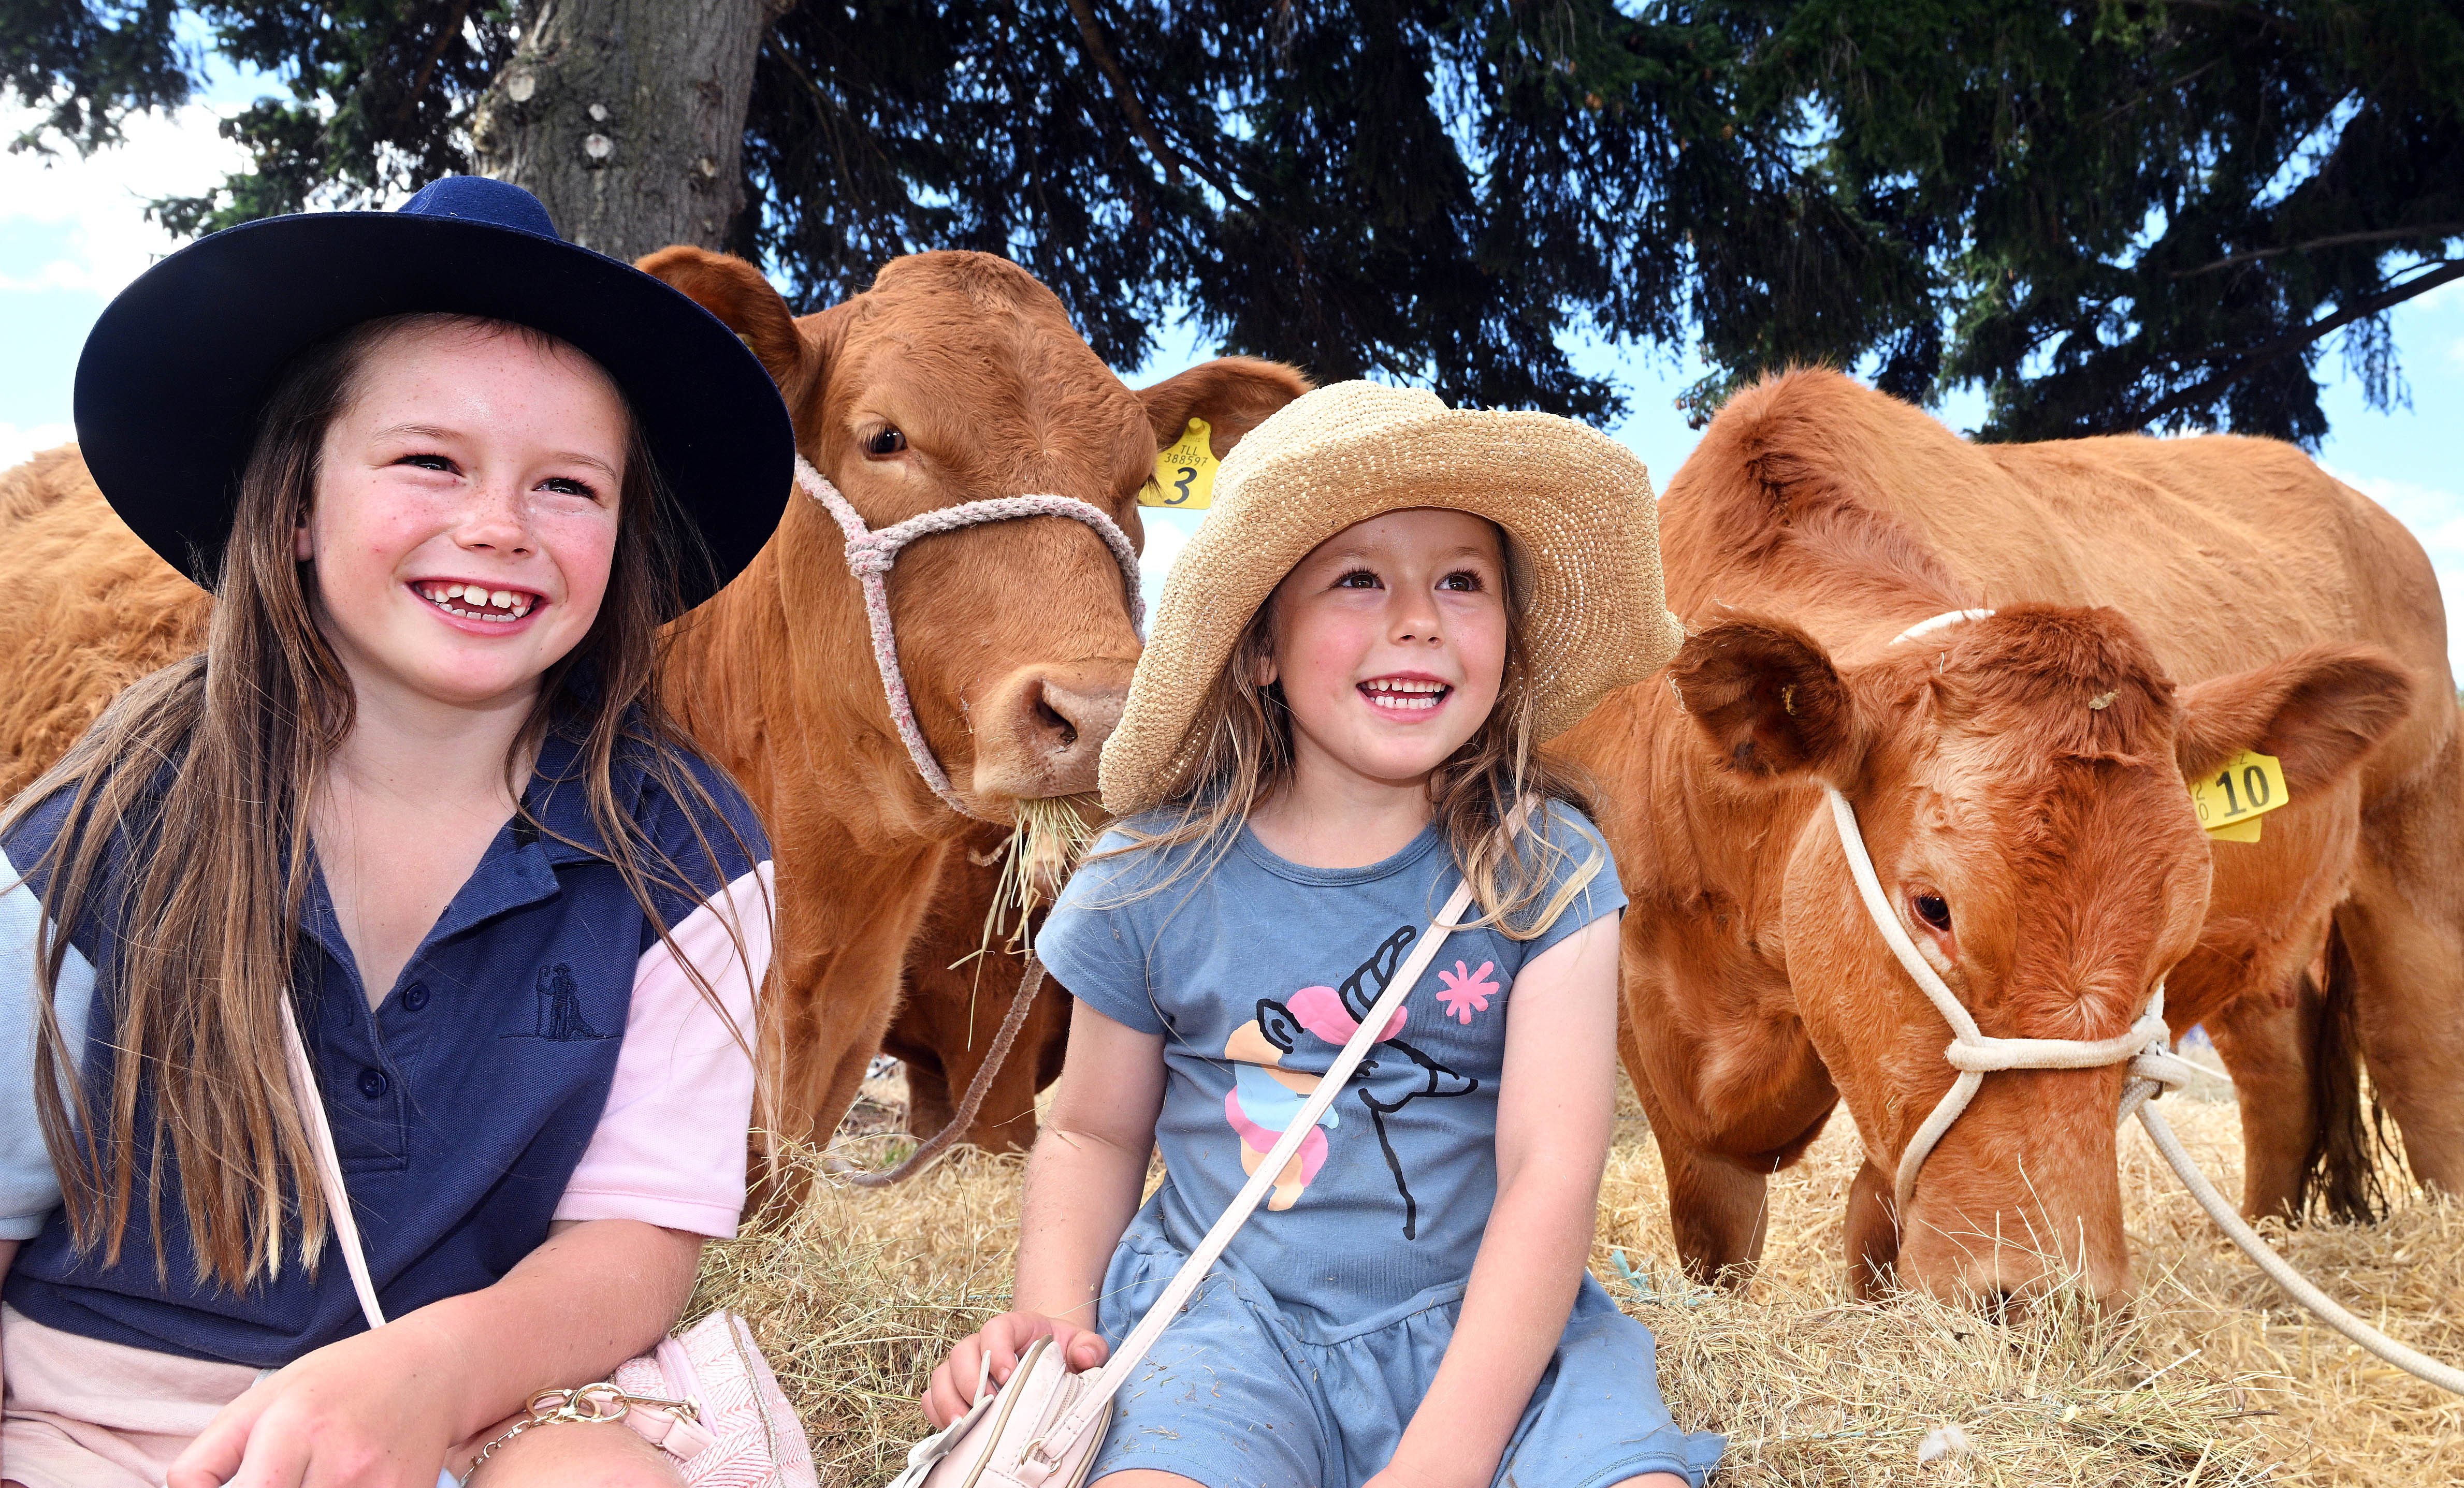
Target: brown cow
x=2164, y=604
x=957, y=376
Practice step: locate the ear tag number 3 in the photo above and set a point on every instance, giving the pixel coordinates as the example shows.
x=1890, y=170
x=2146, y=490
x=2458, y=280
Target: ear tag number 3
x=1184, y=472
x=2231, y=801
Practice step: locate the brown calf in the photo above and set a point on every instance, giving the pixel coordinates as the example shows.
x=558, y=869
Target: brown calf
x=2021, y=781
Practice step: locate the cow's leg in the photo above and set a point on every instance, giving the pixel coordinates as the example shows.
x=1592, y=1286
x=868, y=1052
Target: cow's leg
x=1873, y=1235
x=931, y=1102
x=1717, y=1208
x=2259, y=1035
x=2403, y=924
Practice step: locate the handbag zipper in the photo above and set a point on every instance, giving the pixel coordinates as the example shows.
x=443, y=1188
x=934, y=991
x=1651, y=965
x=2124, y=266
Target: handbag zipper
x=1001, y=1419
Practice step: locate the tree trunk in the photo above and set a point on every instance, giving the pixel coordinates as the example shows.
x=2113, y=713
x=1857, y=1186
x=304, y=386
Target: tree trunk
x=626, y=118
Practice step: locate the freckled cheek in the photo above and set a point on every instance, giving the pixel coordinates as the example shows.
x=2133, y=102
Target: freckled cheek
x=583, y=548
x=360, y=555
x=364, y=530
x=1319, y=656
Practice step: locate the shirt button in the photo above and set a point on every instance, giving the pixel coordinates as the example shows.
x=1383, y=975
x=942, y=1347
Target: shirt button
x=373, y=1082
x=414, y=997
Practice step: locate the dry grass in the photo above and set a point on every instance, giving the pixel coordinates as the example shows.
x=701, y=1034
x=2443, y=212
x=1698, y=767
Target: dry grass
x=2212, y=1380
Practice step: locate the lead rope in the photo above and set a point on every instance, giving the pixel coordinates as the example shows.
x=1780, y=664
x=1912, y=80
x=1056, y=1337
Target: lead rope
x=2154, y=1068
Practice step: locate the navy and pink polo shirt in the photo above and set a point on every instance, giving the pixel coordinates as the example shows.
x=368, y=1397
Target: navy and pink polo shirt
x=543, y=1055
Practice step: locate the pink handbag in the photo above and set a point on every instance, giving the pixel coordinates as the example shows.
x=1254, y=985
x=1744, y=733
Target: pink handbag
x=1042, y=1428
x=705, y=1396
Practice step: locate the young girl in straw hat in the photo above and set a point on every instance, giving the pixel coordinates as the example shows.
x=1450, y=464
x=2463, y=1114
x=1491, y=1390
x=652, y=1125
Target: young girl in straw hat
x=446, y=476
x=1390, y=607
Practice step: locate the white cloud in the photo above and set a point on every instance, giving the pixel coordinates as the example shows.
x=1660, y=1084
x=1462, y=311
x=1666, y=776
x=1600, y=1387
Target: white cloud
x=20, y=443
x=95, y=207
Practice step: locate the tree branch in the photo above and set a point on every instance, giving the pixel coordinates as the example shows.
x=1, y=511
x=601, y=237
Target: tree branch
x=2207, y=388
x=2441, y=230
x=1122, y=93
x=445, y=35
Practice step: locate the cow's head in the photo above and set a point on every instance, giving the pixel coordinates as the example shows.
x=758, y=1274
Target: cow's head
x=2019, y=780
x=958, y=377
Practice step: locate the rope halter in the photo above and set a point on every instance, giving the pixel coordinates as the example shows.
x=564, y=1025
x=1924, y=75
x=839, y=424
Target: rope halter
x=2146, y=1047
x=869, y=555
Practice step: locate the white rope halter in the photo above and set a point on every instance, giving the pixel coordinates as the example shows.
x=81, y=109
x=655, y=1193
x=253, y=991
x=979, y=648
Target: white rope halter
x=871, y=554
x=2148, y=1046
x=2154, y=1068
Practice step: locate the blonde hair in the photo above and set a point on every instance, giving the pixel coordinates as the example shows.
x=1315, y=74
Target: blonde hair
x=1246, y=757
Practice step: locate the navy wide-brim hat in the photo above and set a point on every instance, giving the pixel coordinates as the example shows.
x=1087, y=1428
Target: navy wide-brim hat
x=176, y=372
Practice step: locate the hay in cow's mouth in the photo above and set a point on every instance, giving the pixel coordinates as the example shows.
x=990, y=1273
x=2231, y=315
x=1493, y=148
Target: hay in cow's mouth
x=2212, y=1380
x=1047, y=836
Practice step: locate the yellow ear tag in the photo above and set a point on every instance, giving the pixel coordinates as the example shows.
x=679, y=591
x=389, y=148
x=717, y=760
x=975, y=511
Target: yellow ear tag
x=1184, y=475
x=2231, y=801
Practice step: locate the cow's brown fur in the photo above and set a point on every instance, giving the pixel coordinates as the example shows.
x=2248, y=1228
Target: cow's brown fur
x=953, y=1007
x=2162, y=603
x=86, y=609
x=1015, y=637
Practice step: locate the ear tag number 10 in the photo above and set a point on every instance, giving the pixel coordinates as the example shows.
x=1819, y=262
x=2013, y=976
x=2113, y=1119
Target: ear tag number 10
x=1185, y=474
x=2231, y=801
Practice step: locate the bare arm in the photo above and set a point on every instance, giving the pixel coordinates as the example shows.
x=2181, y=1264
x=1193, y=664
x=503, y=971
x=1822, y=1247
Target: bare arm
x=1082, y=1182
x=382, y=1409
x=8, y=1258
x=1556, y=1110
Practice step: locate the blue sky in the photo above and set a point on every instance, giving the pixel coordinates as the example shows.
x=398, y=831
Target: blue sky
x=73, y=231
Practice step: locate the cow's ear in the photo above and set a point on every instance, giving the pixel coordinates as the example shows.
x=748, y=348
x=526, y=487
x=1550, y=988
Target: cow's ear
x=1233, y=394
x=736, y=292
x=2318, y=711
x=1767, y=700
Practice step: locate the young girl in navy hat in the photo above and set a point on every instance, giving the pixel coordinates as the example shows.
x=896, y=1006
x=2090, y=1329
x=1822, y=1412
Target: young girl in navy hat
x=446, y=476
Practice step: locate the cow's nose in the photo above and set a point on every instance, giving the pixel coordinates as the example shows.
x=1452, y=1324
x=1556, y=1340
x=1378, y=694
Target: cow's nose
x=1042, y=730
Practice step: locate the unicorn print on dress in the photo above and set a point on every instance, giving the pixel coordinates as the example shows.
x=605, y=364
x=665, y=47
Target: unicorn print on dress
x=1265, y=1098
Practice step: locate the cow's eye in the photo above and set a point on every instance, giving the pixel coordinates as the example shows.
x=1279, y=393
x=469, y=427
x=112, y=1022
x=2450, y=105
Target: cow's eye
x=886, y=442
x=1932, y=908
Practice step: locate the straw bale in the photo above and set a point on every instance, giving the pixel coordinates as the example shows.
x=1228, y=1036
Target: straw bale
x=2211, y=1380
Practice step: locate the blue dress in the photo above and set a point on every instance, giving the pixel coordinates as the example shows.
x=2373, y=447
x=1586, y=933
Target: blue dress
x=1310, y=1344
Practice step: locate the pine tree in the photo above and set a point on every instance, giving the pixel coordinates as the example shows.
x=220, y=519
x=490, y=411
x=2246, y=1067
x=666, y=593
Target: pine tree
x=2109, y=215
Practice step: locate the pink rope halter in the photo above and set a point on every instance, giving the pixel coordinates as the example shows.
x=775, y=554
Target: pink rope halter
x=871, y=554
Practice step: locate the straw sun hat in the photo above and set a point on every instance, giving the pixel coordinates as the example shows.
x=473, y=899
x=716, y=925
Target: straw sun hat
x=1584, y=552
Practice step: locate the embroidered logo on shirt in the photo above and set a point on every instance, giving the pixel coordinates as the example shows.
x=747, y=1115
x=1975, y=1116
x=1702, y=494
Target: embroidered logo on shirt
x=560, y=1017
x=1266, y=1100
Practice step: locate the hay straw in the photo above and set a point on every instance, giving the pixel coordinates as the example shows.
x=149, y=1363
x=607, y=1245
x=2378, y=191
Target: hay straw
x=2211, y=1380
x=1046, y=836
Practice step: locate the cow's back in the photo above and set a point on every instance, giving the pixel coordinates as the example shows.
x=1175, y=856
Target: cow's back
x=85, y=609
x=2225, y=551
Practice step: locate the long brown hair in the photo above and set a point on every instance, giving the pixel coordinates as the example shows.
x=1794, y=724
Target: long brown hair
x=1247, y=756
x=198, y=780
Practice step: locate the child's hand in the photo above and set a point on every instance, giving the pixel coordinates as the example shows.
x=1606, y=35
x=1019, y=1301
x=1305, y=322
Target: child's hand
x=1002, y=1340
x=375, y=1411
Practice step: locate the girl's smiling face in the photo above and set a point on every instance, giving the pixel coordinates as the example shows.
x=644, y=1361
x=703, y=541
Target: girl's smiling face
x=1390, y=641
x=465, y=511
